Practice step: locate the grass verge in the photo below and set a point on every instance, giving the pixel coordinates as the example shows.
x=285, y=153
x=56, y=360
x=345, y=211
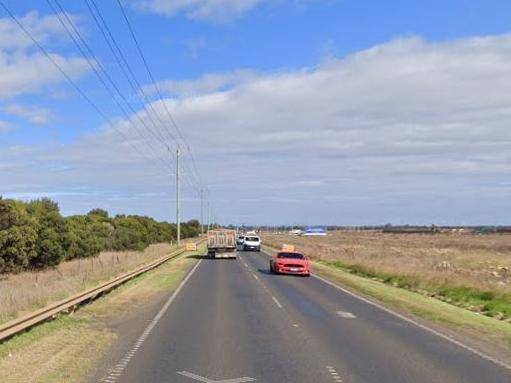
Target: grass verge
x=68, y=348
x=490, y=303
x=419, y=305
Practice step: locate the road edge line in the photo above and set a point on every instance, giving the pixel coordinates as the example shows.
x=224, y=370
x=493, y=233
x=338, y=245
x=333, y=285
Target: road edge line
x=458, y=343
x=116, y=371
x=405, y=318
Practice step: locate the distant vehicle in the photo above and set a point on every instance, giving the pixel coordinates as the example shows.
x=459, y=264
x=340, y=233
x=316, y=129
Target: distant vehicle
x=290, y=262
x=252, y=242
x=312, y=231
x=240, y=239
x=222, y=243
x=296, y=232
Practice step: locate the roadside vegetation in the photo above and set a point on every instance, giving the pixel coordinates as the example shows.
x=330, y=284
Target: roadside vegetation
x=25, y=292
x=70, y=348
x=466, y=270
x=34, y=235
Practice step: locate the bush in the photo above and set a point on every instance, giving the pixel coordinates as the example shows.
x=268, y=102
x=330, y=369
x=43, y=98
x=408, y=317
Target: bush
x=35, y=235
x=17, y=237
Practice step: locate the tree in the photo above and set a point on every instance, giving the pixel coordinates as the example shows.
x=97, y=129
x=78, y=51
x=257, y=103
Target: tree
x=98, y=212
x=17, y=237
x=52, y=233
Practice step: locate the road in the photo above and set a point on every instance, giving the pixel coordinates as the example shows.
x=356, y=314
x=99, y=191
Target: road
x=233, y=322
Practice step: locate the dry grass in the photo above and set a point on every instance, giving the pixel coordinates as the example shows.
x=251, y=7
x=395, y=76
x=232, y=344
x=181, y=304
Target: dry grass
x=478, y=261
x=471, y=271
x=25, y=292
x=63, y=351
x=69, y=348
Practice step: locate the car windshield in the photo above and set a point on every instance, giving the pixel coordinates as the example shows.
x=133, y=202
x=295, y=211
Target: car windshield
x=291, y=255
x=252, y=239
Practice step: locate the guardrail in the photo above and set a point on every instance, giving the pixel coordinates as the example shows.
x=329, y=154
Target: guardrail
x=50, y=312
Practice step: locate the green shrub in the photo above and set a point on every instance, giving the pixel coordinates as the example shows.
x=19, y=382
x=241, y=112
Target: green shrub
x=35, y=235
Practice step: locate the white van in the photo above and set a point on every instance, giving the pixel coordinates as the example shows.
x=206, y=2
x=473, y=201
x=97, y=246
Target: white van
x=252, y=242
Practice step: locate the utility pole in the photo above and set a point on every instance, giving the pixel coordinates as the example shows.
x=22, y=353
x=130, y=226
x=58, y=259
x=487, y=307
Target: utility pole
x=209, y=216
x=202, y=211
x=178, y=194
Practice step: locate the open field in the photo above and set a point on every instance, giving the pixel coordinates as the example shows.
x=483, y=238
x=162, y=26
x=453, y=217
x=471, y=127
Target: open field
x=471, y=271
x=27, y=291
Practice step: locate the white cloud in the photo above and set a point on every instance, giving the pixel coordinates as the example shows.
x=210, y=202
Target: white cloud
x=26, y=70
x=208, y=83
x=5, y=126
x=215, y=10
x=42, y=28
x=36, y=115
x=407, y=131
x=24, y=73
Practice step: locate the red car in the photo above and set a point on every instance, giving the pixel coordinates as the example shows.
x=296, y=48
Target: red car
x=290, y=262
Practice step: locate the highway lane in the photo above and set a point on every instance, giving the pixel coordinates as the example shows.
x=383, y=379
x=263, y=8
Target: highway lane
x=234, y=320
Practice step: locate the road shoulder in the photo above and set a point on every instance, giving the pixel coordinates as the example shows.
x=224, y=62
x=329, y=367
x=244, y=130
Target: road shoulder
x=78, y=347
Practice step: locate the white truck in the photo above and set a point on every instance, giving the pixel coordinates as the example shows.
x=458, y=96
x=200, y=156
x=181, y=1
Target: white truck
x=222, y=243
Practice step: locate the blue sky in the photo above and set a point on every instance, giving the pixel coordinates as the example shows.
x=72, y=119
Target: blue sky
x=315, y=111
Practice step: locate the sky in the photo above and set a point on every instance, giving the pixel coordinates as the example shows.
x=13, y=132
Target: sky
x=348, y=112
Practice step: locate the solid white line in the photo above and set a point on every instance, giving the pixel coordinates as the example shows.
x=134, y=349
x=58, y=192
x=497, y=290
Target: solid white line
x=276, y=302
x=423, y=327
x=121, y=365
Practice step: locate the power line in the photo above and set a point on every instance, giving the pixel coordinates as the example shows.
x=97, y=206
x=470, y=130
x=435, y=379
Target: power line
x=189, y=177
x=68, y=78
x=156, y=86
x=122, y=62
x=74, y=34
x=146, y=65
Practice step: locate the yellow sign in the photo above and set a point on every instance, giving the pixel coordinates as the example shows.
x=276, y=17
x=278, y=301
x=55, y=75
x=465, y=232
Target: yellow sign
x=190, y=246
x=288, y=248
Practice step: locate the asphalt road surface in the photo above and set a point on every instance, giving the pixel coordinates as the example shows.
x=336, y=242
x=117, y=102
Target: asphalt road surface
x=233, y=322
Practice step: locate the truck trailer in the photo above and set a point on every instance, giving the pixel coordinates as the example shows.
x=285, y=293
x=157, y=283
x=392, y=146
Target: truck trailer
x=222, y=243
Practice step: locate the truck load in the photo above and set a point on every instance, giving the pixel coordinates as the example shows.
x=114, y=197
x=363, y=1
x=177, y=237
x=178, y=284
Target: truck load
x=222, y=243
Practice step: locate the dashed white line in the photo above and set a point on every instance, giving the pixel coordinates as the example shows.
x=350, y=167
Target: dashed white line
x=334, y=374
x=255, y=276
x=346, y=315
x=276, y=302
x=417, y=324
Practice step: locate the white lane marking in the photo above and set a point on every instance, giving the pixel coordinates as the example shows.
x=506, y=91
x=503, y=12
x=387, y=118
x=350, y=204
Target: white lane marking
x=295, y=325
x=119, y=368
x=255, y=276
x=334, y=374
x=276, y=302
x=199, y=378
x=245, y=264
x=423, y=327
x=346, y=314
